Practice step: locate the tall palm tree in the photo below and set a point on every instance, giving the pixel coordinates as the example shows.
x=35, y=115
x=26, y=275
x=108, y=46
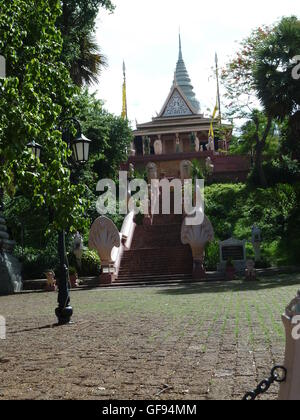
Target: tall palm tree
x=86, y=67
x=278, y=91
x=81, y=53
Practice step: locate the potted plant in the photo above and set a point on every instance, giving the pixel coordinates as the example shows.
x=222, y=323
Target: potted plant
x=73, y=275
x=230, y=270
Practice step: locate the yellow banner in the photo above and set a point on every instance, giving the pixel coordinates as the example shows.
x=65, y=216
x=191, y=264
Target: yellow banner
x=124, y=106
x=211, y=130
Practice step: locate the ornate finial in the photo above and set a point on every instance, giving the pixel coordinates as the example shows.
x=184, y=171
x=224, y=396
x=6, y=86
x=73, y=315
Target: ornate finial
x=180, y=49
x=124, y=69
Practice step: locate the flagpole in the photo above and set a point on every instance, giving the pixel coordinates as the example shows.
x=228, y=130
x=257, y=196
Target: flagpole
x=124, y=106
x=218, y=88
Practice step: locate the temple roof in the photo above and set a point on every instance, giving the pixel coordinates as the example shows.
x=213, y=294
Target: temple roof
x=181, y=100
x=183, y=80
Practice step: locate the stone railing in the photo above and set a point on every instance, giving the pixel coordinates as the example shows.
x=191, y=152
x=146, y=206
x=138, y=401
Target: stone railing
x=110, y=244
x=290, y=389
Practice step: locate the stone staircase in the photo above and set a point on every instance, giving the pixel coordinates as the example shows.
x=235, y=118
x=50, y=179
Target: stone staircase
x=157, y=254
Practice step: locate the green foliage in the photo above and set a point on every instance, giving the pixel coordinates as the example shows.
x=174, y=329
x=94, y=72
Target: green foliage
x=36, y=93
x=238, y=75
x=262, y=68
x=276, y=88
x=110, y=135
x=90, y=264
x=245, y=142
x=222, y=202
x=279, y=170
x=80, y=53
x=198, y=170
x=36, y=261
x=212, y=256
x=234, y=209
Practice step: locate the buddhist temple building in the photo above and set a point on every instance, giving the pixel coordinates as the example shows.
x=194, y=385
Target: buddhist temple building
x=180, y=132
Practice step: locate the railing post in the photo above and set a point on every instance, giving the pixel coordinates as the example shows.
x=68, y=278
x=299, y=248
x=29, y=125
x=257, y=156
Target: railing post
x=290, y=389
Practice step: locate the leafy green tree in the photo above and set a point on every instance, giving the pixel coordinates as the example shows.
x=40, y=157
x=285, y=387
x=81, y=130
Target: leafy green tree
x=244, y=141
x=37, y=92
x=80, y=51
x=239, y=81
x=278, y=91
x=238, y=75
x=110, y=135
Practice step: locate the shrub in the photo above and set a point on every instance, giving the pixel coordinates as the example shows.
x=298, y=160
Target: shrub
x=90, y=264
x=234, y=208
x=35, y=262
x=212, y=256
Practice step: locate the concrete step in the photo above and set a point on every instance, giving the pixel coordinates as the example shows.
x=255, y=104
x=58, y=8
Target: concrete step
x=131, y=281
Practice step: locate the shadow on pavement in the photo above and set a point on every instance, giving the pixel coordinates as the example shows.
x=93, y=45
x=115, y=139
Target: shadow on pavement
x=234, y=286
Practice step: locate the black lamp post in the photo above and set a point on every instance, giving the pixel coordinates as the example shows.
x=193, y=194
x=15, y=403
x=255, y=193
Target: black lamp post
x=80, y=145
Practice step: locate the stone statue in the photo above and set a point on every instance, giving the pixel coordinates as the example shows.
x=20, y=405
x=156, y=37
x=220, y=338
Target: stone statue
x=185, y=170
x=158, y=149
x=51, y=282
x=78, y=248
x=201, y=148
x=211, y=144
x=256, y=242
x=146, y=145
x=105, y=239
x=132, y=150
x=250, y=270
x=151, y=171
x=197, y=144
x=177, y=143
x=197, y=237
x=209, y=166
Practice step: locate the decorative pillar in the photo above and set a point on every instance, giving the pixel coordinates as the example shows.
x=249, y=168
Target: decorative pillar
x=290, y=389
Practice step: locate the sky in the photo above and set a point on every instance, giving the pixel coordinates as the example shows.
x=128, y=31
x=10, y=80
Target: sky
x=144, y=33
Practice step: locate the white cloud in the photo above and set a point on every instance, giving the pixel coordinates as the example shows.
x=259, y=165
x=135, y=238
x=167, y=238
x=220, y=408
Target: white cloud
x=145, y=34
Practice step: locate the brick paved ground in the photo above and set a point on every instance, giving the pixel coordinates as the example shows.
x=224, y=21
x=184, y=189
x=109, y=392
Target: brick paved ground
x=206, y=341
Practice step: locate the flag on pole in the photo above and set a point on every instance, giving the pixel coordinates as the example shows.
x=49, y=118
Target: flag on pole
x=124, y=95
x=211, y=130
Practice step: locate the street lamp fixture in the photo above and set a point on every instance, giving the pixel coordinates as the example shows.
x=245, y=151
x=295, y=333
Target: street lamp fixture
x=80, y=145
x=35, y=149
x=81, y=149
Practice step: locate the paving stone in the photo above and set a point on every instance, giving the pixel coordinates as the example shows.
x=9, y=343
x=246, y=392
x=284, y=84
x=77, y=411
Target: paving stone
x=130, y=344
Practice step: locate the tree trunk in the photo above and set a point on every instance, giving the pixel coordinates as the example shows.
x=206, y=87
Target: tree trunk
x=259, y=165
x=260, y=145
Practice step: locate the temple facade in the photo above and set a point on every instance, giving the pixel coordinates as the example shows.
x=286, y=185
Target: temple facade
x=180, y=133
x=159, y=247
